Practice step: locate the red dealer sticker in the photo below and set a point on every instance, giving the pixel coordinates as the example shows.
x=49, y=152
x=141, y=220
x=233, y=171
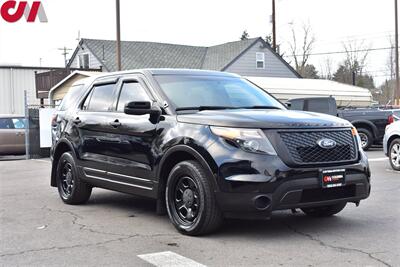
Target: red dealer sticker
x=333, y=178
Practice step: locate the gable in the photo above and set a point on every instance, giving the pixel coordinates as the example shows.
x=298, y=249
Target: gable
x=274, y=66
x=94, y=61
x=219, y=56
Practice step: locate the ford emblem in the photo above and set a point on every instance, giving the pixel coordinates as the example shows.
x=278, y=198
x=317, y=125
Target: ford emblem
x=326, y=143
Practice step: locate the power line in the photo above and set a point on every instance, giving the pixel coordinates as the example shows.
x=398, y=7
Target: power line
x=344, y=52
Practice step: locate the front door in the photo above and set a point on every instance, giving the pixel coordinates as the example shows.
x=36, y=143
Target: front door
x=131, y=153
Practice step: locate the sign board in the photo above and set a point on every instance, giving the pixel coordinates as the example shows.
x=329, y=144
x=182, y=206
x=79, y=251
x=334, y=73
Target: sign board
x=45, y=116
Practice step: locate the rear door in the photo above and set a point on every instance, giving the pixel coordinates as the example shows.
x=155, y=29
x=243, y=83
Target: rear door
x=92, y=125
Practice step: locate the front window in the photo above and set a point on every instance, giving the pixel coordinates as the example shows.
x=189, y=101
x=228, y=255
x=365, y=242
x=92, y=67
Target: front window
x=212, y=91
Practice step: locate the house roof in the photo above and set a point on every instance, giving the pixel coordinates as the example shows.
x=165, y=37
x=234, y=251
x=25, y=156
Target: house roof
x=137, y=55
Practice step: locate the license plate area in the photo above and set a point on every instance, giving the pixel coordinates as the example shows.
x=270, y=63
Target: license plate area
x=332, y=178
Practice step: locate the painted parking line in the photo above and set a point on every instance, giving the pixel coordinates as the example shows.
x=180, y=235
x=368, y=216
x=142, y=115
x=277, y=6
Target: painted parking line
x=169, y=259
x=377, y=159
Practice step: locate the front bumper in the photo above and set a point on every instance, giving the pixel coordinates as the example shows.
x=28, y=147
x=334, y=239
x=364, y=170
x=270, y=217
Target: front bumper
x=252, y=185
x=291, y=193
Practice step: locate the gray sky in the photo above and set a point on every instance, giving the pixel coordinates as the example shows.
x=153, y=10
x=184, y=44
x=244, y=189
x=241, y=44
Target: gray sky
x=206, y=22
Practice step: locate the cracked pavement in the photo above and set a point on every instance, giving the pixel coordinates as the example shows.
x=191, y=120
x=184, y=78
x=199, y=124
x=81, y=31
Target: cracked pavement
x=36, y=228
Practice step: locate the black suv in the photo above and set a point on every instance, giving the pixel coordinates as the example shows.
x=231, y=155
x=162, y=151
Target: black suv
x=207, y=145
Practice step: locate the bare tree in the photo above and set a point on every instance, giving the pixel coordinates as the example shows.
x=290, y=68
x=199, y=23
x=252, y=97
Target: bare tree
x=355, y=61
x=356, y=55
x=391, y=65
x=301, y=51
x=326, y=68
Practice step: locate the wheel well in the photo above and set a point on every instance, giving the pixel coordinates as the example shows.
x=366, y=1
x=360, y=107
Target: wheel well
x=391, y=139
x=166, y=168
x=60, y=149
x=365, y=126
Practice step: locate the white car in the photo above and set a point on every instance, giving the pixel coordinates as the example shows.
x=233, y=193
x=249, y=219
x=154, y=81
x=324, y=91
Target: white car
x=391, y=144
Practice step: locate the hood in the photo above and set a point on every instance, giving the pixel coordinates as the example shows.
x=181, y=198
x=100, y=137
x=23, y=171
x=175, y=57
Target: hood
x=272, y=119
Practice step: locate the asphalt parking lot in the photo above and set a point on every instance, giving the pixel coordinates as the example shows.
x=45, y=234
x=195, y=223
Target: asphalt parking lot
x=115, y=229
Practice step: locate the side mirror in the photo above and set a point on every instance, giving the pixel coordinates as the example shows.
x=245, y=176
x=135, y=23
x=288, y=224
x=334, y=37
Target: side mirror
x=288, y=105
x=143, y=108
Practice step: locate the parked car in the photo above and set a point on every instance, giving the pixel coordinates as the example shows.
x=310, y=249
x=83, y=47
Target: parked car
x=391, y=144
x=12, y=135
x=370, y=122
x=207, y=145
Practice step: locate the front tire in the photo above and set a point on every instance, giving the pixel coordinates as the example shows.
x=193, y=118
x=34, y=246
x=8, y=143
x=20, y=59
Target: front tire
x=70, y=188
x=394, y=154
x=190, y=200
x=324, y=211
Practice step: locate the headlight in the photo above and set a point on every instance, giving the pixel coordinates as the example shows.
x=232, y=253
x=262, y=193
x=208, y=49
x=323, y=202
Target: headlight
x=249, y=140
x=355, y=134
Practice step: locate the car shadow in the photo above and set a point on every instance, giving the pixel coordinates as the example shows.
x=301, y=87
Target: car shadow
x=281, y=224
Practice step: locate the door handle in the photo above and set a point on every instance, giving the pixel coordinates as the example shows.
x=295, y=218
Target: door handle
x=115, y=123
x=76, y=120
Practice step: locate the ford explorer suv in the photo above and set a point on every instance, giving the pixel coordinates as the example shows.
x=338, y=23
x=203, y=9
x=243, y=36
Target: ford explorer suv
x=206, y=145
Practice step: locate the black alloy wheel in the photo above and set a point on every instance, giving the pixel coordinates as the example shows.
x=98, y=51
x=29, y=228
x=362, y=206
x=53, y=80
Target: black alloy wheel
x=190, y=199
x=186, y=199
x=67, y=179
x=70, y=187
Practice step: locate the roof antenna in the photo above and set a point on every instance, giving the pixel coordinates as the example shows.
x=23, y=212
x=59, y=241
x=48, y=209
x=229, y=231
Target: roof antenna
x=79, y=36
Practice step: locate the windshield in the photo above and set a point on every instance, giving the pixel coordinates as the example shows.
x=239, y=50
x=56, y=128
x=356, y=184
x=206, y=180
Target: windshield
x=198, y=92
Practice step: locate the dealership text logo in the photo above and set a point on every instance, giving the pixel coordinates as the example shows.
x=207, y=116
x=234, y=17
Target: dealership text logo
x=12, y=11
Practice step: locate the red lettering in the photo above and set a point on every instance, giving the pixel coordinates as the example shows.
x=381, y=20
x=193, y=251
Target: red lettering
x=34, y=11
x=5, y=10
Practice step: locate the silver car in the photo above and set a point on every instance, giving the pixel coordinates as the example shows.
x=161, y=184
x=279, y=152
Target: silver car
x=12, y=135
x=391, y=144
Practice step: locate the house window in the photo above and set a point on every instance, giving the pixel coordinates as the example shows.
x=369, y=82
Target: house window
x=260, y=60
x=83, y=61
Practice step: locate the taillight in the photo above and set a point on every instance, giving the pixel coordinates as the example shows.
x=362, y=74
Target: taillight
x=54, y=120
x=390, y=119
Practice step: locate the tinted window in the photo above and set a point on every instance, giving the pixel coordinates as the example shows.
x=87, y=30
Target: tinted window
x=19, y=123
x=316, y=105
x=195, y=91
x=70, y=97
x=6, y=123
x=101, y=97
x=131, y=91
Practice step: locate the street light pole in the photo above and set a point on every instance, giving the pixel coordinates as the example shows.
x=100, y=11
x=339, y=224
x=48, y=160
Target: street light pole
x=118, y=37
x=273, y=26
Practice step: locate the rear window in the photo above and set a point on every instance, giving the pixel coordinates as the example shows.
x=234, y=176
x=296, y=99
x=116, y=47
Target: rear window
x=6, y=123
x=100, y=98
x=70, y=98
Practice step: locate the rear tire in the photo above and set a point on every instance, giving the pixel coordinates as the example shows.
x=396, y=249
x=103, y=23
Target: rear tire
x=324, y=211
x=366, y=138
x=190, y=200
x=70, y=187
x=394, y=154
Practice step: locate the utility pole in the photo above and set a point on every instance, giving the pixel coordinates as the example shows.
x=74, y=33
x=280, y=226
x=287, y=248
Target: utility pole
x=65, y=53
x=118, y=36
x=273, y=26
x=396, y=52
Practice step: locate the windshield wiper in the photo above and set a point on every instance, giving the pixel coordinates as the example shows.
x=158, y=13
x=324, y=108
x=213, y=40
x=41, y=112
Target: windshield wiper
x=260, y=107
x=200, y=108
